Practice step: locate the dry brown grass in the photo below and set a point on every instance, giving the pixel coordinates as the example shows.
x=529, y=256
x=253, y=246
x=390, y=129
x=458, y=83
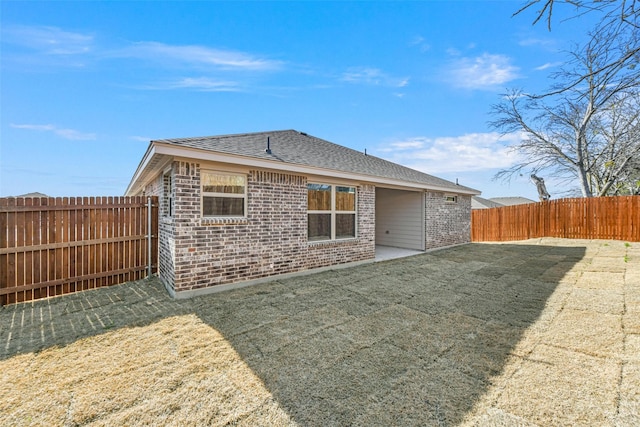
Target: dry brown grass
x=177, y=371
x=520, y=334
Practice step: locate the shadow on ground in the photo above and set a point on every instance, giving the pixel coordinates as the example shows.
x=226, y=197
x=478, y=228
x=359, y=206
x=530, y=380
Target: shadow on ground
x=408, y=341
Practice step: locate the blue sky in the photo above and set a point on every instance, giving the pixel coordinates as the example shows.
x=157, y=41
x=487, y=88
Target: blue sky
x=86, y=85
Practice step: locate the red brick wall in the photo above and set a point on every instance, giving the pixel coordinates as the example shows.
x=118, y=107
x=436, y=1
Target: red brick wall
x=446, y=223
x=271, y=240
x=196, y=253
x=165, y=230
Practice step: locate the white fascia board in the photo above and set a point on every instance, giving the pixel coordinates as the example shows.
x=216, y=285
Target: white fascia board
x=212, y=156
x=141, y=167
x=151, y=164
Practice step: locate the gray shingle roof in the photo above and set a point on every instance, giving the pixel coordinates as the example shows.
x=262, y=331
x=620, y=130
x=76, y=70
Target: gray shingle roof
x=35, y=194
x=290, y=146
x=481, y=203
x=510, y=201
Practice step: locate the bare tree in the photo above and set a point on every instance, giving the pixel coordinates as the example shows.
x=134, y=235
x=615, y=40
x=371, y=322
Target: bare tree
x=616, y=135
x=585, y=129
x=625, y=11
x=618, y=17
x=631, y=186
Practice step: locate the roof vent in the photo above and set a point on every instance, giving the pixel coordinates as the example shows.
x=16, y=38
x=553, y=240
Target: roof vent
x=268, y=150
x=303, y=133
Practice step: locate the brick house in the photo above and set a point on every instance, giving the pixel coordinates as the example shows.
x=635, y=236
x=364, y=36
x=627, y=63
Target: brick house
x=237, y=209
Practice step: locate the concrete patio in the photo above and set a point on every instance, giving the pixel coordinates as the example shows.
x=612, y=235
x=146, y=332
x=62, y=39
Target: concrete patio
x=385, y=253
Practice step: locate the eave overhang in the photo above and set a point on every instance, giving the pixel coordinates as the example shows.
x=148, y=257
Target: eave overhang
x=159, y=155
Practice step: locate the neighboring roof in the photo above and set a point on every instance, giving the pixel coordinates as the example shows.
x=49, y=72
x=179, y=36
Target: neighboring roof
x=478, y=202
x=510, y=201
x=36, y=194
x=291, y=148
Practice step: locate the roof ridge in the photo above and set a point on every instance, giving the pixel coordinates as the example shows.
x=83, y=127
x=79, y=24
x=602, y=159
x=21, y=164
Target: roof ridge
x=229, y=135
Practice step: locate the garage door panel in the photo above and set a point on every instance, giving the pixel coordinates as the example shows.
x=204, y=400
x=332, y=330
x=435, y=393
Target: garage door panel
x=399, y=218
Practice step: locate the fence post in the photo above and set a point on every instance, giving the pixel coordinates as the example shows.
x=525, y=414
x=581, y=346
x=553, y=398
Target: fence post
x=149, y=230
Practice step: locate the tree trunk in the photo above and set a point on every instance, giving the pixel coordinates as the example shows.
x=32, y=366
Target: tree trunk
x=584, y=182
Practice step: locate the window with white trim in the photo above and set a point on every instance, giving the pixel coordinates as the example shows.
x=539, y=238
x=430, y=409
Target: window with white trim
x=331, y=212
x=451, y=198
x=223, y=194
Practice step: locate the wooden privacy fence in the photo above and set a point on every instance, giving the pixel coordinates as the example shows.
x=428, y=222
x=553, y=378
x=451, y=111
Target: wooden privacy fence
x=616, y=218
x=55, y=246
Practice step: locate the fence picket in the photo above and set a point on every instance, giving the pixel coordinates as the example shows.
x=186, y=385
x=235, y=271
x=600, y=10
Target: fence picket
x=11, y=258
x=55, y=246
x=615, y=218
x=20, y=261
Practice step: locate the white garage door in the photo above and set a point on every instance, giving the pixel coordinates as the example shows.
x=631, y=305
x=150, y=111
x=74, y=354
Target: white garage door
x=399, y=218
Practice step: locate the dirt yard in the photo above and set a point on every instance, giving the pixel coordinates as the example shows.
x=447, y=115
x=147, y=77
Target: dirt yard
x=541, y=332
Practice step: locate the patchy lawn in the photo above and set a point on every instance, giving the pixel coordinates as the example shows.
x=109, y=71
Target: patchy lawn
x=540, y=332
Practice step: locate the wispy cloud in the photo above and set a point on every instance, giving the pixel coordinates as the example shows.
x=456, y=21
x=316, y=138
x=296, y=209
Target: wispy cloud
x=206, y=84
x=533, y=41
x=548, y=65
x=49, y=40
x=486, y=71
x=45, y=46
x=140, y=138
x=70, y=134
x=470, y=152
x=198, y=55
x=421, y=43
x=199, y=84
x=372, y=77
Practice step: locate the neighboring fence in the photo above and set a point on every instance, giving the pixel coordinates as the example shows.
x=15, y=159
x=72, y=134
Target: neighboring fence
x=616, y=218
x=55, y=246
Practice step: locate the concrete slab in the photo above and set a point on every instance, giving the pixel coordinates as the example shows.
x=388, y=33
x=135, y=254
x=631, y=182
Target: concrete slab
x=384, y=253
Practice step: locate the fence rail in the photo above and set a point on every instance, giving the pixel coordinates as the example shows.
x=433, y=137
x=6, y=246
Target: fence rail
x=616, y=218
x=54, y=246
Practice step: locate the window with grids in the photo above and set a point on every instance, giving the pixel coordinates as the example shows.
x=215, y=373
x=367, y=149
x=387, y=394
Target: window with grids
x=223, y=194
x=331, y=211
